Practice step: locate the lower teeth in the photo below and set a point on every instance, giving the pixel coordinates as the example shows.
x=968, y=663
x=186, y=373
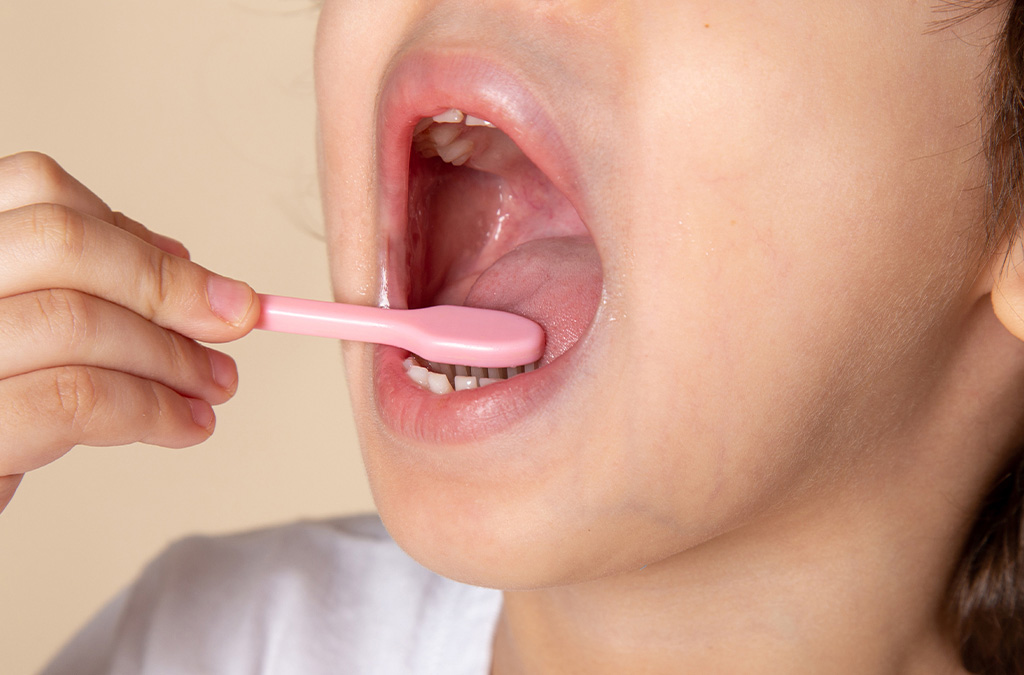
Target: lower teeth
x=442, y=378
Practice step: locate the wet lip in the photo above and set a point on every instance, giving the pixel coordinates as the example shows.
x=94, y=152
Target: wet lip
x=424, y=84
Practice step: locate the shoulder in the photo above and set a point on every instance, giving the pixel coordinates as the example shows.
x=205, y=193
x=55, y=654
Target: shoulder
x=297, y=597
x=283, y=560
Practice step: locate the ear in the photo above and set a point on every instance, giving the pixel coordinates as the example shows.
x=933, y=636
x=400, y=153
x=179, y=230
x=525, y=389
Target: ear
x=1008, y=290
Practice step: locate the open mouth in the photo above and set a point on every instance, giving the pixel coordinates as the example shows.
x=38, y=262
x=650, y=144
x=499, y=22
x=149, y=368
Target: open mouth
x=487, y=228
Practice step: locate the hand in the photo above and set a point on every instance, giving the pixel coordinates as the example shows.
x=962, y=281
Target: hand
x=99, y=319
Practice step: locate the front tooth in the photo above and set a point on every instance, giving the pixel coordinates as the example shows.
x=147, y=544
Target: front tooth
x=450, y=116
x=477, y=122
x=452, y=153
x=439, y=383
x=487, y=381
x=463, y=382
x=495, y=373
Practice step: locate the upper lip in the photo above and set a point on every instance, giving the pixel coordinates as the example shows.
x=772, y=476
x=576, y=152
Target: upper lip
x=423, y=83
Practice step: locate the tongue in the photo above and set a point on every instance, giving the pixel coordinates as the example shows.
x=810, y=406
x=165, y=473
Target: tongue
x=554, y=281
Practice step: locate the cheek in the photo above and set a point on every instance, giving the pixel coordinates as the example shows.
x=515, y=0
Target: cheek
x=350, y=57
x=795, y=188
x=800, y=222
x=779, y=275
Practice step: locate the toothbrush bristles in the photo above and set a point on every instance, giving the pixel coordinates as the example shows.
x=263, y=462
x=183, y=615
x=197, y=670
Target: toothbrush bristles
x=459, y=377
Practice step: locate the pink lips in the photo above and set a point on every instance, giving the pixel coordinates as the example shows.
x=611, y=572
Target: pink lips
x=424, y=84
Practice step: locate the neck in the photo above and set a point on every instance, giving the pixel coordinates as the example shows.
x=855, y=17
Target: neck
x=848, y=594
x=852, y=579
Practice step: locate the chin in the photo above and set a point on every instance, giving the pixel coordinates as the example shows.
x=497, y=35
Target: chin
x=510, y=537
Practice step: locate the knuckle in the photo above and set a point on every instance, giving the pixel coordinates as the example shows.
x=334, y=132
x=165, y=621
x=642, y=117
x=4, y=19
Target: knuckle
x=181, y=351
x=56, y=232
x=66, y=315
x=37, y=176
x=162, y=274
x=160, y=406
x=76, y=394
x=39, y=166
x=151, y=427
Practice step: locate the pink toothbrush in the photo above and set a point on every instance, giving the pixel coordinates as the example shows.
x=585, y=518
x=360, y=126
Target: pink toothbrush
x=465, y=336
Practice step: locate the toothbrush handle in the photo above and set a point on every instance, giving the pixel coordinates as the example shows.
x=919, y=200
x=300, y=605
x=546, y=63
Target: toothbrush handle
x=325, y=319
x=469, y=336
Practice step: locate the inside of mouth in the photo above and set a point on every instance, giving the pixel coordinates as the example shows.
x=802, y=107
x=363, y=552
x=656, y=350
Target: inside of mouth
x=488, y=229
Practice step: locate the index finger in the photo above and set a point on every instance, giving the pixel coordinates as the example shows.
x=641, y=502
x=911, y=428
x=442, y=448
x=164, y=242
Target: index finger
x=46, y=246
x=34, y=178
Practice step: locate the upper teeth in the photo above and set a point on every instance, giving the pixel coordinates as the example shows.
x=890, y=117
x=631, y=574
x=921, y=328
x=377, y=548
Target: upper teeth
x=454, y=116
x=439, y=136
x=450, y=116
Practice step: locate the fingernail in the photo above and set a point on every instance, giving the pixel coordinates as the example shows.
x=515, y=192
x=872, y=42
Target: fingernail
x=202, y=413
x=225, y=373
x=229, y=299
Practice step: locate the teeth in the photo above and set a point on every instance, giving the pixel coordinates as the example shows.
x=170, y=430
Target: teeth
x=456, y=153
x=443, y=378
x=419, y=375
x=464, y=382
x=439, y=384
x=442, y=368
x=477, y=122
x=422, y=126
x=450, y=116
x=438, y=136
x=444, y=134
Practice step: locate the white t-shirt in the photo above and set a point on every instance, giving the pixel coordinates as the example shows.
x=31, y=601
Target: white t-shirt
x=304, y=599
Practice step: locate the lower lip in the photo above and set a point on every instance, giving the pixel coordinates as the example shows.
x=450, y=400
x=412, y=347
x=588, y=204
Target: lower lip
x=463, y=416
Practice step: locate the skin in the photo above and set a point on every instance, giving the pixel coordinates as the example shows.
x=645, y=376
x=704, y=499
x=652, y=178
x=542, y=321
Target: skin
x=804, y=390
x=99, y=319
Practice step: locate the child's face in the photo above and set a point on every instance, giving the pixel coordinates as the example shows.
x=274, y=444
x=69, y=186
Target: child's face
x=780, y=217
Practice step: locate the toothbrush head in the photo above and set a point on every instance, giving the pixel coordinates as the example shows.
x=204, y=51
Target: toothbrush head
x=472, y=336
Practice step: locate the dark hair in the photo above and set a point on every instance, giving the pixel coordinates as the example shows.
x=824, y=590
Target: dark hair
x=986, y=599
x=987, y=596
x=1004, y=130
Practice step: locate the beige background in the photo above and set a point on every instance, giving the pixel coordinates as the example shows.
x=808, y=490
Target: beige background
x=195, y=117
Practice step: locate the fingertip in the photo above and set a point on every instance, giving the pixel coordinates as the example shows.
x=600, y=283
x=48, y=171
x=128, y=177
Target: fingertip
x=224, y=371
x=234, y=302
x=203, y=415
